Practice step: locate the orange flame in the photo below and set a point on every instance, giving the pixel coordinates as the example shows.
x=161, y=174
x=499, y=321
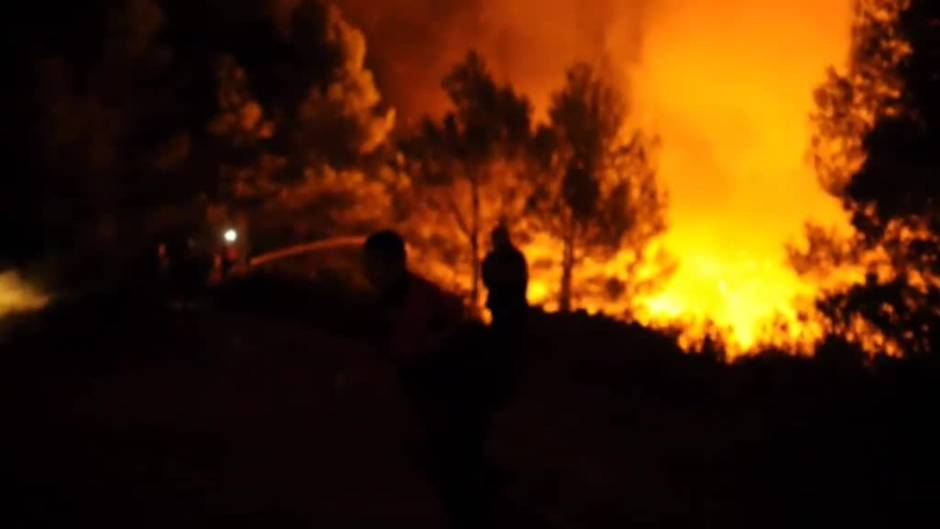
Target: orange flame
x=728, y=87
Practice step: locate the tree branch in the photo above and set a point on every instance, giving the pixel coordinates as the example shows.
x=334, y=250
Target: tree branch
x=458, y=216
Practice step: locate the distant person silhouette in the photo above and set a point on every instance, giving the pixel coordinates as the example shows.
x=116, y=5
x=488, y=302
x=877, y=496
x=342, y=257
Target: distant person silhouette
x=506, y=277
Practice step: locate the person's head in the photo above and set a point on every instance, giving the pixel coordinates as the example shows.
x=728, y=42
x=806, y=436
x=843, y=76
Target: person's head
x=500, y=237
x=384, y=259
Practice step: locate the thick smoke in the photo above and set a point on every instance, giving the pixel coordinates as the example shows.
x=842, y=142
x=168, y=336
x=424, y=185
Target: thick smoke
x=531, y=43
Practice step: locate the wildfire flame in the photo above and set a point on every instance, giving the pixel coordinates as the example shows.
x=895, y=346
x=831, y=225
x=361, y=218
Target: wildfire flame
x=727, y=85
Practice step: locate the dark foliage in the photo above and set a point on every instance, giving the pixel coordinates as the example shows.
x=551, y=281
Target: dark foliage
x=892, y=197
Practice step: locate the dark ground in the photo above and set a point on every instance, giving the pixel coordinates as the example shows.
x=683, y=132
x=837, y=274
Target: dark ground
x=264, y=408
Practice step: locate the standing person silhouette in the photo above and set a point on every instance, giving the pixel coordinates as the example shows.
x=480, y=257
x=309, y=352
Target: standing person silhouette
x=506, y=277
x=435, y=351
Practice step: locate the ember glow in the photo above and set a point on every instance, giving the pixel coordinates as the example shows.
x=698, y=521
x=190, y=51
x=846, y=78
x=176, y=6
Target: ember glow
x=728, y=87
x=16, y=295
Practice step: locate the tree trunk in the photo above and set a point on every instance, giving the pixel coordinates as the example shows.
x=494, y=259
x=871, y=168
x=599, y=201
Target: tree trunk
x=567, y=273
x=475, y=240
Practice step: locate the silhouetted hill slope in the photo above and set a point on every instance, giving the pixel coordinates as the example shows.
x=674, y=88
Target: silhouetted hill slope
x=266, y=407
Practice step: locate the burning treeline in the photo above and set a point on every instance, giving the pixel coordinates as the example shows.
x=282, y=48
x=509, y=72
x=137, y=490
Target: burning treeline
x=657, y=161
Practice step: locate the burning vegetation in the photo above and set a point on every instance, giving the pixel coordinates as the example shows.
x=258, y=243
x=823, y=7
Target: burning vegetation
x=656, y=161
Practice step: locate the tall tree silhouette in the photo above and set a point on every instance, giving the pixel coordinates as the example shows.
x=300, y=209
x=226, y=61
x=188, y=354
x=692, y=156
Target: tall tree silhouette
x=145, y=115
x=115, y=142
x=293, y=131
x=454, y=160
x=891, y=190
x=597, y=192
x=853, y=99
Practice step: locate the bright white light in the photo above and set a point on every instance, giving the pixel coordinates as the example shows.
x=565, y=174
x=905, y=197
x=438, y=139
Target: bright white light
x=230, y=236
